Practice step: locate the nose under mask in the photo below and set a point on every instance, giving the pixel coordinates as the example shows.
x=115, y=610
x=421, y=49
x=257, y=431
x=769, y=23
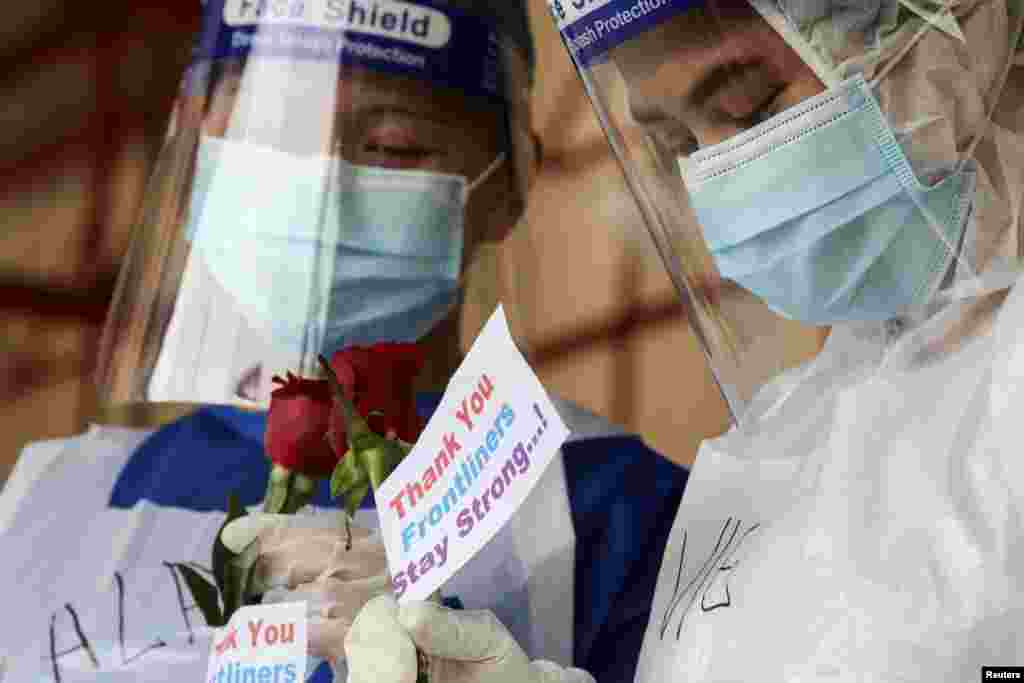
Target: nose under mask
x=818, y=212
x=323, y=254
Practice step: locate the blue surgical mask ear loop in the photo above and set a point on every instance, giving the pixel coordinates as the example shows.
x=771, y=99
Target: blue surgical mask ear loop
x=483, y=177
x=959, y=169
x=998, y=281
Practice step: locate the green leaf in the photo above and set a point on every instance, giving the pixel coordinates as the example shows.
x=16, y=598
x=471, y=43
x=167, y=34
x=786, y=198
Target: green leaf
x=366, y=441
x=205, y=594
x=232, y=571
x=239, y=576
x=422, y=667
x=350, y=482
x=354, y=496
x=276, y=498
x=347, y=475
x=221, y=554
x=301, y=490
x=304, y=485
x=382, y=460
x=233, y=593
x=278, y=485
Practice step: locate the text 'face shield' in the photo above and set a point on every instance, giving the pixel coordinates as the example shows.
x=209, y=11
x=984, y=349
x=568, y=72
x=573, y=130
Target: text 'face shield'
x=773, y=146
x=332, y=167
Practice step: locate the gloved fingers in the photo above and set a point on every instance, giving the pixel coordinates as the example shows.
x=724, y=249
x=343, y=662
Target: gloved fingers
x=319, y=601
x=301, y=556
x=554, y=673
x=326, y=637
x=240, y=533
x=350, y=596
x=355, y=563
x=549, y=670
x=272, y=528
x=574, y=675
x=320, y=527
x=291, y=565
x=462, y=635
x=331, y=608
x=332, y=598
x=377, y=648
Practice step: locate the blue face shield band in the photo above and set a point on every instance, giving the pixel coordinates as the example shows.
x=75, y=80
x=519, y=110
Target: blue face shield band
x=324, y=254
x=818, y=212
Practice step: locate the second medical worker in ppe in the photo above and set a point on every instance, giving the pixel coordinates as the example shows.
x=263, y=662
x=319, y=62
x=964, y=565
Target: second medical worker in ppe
x=334, y=174
x=851, y=164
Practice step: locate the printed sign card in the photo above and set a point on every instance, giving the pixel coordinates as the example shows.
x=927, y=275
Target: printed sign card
x=491, y=438
x=261, y=644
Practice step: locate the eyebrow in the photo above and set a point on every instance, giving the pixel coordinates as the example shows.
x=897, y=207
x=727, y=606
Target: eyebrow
x=416, y=113
x=709, y=84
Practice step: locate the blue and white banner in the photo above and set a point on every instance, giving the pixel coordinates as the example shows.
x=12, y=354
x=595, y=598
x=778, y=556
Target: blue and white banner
x=420, y=38
x=591, y=28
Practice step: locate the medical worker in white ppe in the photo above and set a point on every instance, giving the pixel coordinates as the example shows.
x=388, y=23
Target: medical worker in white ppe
x=338, y=173
x=857, y=165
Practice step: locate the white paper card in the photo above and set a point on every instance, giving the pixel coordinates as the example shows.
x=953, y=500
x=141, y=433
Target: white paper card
x=490, y=439
x=262, y=644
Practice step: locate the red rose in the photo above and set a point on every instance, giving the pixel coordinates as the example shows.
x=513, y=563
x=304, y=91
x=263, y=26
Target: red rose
x=305, y=435
x=300, y=415
x=383, y=376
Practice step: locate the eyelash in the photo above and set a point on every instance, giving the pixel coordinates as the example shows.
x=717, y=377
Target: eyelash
x=760, y=116
x=765, y=111
x=403, y=152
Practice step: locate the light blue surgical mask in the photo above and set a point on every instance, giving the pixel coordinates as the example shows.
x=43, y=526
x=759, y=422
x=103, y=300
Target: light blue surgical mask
x=819, y=213
x=323, y=254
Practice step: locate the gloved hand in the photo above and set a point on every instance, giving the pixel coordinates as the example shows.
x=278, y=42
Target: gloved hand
x=304, y=558
x=462, y=646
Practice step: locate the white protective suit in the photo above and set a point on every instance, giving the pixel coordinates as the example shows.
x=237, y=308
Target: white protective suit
x=867, y=521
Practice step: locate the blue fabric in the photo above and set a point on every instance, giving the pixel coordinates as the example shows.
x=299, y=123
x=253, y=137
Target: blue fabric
x=622, y=495
x=197, y=461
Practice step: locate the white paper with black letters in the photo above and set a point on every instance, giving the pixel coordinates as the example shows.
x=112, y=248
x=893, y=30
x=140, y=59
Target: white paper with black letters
x=725, y=505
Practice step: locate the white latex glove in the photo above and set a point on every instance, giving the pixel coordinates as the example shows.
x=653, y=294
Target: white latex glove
x=463, y=646
x=304, y=558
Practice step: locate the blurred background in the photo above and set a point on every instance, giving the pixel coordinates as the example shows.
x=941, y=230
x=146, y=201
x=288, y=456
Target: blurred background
x=87, y=92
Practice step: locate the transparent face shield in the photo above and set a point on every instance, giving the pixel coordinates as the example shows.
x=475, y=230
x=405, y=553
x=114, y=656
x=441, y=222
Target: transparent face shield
x=789, y=163
x=329, y=180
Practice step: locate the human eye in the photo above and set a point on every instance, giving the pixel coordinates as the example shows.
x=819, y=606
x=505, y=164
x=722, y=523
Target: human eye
x=764, y=110
x=392, y=142
x=686, y=145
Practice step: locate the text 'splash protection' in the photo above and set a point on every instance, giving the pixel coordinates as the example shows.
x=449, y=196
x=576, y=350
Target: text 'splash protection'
x=591, y=28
